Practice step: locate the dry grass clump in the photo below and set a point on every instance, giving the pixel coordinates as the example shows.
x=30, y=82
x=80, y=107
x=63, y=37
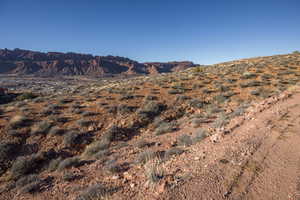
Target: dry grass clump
x=154, y=171
x=19, y=121
x=84, y=122
x=69, y=176
x=142, y=144
x=27, y=95
x=221, y=121
x=200, y=135
x=41, y=128
x=95, y=148
x=68, y=163
x=95, y=192
x=71, y=138
x=184, y=140
x=173, y=151
x=53, y=165
x=55, y=130
x=165, y=127
x=150, y=110
x=25, y=165
x=30, y=184
x=145, y=156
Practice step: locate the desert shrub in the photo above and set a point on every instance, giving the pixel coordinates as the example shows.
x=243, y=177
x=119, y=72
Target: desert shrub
x=88, y=114
x=200, y=134
x=54, y=107
x=69, y=176
x=65, y=101
x=231, y=80
x=221, y=121
x=113, y=167
x=229, y=94
x=151, y=98
x=32, y=187
x=266, y=76
x=60, y=119
x=197, y=86
x=27, y=95
x=84, y=122
x=95, y=147
x=153, y=107
x=112, y=133
x=164, y=127
x=207, y=91
x=94, y=192
x=54, y=164
x=173, y=151
x=124, y=109
x=181, y=98
x=150, y=110
x=248, y=75
x=176, y=91
x=55, y=130
x=142, y=143
x=101, y=155
x=196, y=122
x=145, y=156
x=126, y=97
x=212, y=109
x=71, y=138
x=27, y=180
x=223, y=88
x=19, y=121
x=184, y=140
x=68, y=163
x=195, y=103
x=154, y=172
x=38, y=100
x=13, y=133
x=7, y=150
x=220, y=98
x=255, y=92
x=25, y=165
x=41, y=128
x=251, y=84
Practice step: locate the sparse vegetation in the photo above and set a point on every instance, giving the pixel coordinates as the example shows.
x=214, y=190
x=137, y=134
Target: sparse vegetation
x=94, y=192
x=19, y=121
x=26, y=165
x=165, y=127
x=41, y=128
x=68, y=163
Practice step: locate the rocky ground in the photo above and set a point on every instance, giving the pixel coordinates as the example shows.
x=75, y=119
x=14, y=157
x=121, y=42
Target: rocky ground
x=227, y=131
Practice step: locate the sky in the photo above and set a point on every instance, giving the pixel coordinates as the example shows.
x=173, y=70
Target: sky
x=202, y=31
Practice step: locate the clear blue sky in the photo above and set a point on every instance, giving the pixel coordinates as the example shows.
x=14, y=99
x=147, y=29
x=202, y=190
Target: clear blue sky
x=203, y=31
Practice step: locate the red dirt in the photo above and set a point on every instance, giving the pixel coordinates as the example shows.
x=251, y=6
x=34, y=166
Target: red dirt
x=258, y=160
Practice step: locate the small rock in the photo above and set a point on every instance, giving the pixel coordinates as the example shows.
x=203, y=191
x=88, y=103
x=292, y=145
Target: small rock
x=132, y=185
x=115, y=177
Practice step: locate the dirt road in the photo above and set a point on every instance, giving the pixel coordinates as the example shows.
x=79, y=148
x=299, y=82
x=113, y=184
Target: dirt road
x=260, y=159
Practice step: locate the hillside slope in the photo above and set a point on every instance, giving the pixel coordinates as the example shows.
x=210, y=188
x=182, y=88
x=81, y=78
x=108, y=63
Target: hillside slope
x=22, y=62
x=209, y=132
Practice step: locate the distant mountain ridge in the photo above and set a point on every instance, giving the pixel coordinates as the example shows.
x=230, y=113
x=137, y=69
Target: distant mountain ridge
x=26, y=62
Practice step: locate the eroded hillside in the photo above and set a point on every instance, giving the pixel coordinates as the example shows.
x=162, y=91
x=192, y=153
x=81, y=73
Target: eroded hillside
x=128, y=139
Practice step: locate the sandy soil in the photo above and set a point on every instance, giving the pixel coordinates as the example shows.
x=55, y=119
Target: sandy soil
x=258, y=159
